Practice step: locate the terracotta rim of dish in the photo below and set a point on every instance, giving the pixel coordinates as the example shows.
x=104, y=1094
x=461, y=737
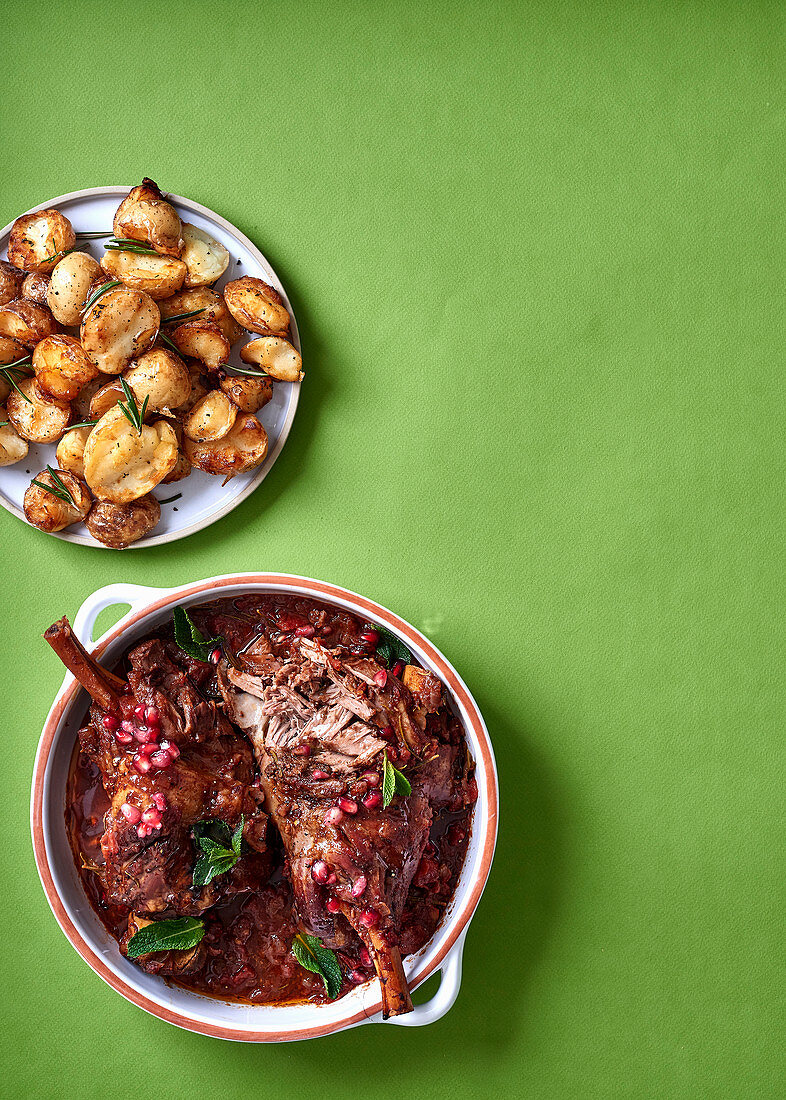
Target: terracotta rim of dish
x=270, y=458
x=458, y=921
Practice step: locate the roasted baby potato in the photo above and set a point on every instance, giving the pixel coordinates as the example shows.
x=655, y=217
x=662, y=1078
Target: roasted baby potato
x=34, y=419
x=249, y=394
x=70, y=286
x=161, y=376
x=12, y=447
x=11, y=350
x=71, y=449
x=145, y=215
x=105, y=399
x=202, y=340
x=242, y=449
x=211, y=418
x=276, y=357
x=37, y=240
x=81, y=405
x=205, y=258
x=257, y=306
x=61, y=368
x=48, y=512
x=213, y=307
x=118, y=525
x=35, y=286
x=27, y=322
x=11, y=279
x=182, y=467
x=158, y=276
x=119, y=327
x=122, y=464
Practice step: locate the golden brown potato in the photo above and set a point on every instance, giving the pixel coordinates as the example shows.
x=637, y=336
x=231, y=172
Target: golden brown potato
x=249, y=394
x=47, y=512
x=81, y=405
x=34, y=419
x=257, y=306
x=70, y=285
x=11, y=350
x=205, y=258
x=182, y=467
x=11, y=279
x=105, y=399
x=35, y=286
x=202, y=340
x=211, y=418
x=122, y=325
x=198, y=389
x=61, y=368
x=37, y=240
x=27, y=322
x=158, y=276
x=12, y=447
x=145, y=215
x=242, y=449
x=276, y=357
x=71, y=449
x=118, y=525
x=161, y=376
x=122, y=464
x=213, y=307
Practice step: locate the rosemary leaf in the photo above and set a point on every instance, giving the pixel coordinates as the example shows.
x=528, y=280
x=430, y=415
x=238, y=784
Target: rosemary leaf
x=91, y=301
x=182, y=316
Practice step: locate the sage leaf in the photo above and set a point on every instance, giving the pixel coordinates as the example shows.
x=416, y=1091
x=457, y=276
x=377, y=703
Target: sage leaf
x=166, y=935
x=190, y=639
x=393, y=782
x=312, y=956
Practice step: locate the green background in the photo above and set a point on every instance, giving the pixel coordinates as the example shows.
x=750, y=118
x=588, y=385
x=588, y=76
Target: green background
x=536, y=254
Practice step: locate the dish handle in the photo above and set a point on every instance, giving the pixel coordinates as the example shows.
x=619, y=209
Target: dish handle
x=137, y=595
x=445, y=997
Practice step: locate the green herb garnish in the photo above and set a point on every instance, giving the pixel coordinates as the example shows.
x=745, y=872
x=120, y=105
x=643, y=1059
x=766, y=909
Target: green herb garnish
x=393, y=782
x=127, y=244
x=390, y=648
x=216, y=858
x=166, y=935
x=183, y=316
x=130, y=410
x=163, y=336
x=259, y=373
x=83, y=424
x=169, y=500
x=58, y=255
x=59, y=489
x=312, y=956
x=190, y=639
x=15, y=368
x=92, y=236
x=91, y=301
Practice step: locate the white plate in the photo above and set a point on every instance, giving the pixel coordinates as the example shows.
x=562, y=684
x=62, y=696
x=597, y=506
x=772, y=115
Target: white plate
x=204, y=499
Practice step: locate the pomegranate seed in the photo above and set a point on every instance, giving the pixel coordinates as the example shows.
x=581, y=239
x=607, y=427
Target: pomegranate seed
x=398, y=668
x=150, y=748
x=127, y=726
x=359, y=887
x=334, y=816
x=142, y=764
x=145, y=735
x=365, y=958
x=381, y=678
x=123, y=738
x=131, y=813
x=320, y=872
x=319, y=774
x=386, y=732
x=372, y=778
x=144, y=830
x=159, y=801
x=152, y=717
x=357, y=977
x=139, y=712
x=110, y=722
x=372, y=800
x=305, y=632
x=215, y=656
x=369, y=918
x=333, y=905
x=160, y=759
x=348, y=805
x=332, y=880
x=370, y=638
x=152, y=816
x=302, y=750
x=171, y=748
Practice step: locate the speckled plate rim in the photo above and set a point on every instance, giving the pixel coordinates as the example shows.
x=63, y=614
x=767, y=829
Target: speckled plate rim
x=486, y=823
x=267, y=465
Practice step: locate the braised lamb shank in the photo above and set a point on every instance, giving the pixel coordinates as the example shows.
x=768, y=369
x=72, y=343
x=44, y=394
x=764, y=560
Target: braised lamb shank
x=322, y=721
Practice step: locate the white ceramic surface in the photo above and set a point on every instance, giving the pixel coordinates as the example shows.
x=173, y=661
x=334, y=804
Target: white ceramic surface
x=204, y=499
x=149, y=608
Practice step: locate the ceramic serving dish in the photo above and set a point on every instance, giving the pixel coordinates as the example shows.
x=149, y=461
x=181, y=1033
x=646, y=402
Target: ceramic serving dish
x=204, y=498
x=251, y=1023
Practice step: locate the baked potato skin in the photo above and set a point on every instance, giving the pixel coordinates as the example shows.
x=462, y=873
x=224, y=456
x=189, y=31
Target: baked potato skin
x=275, y=356
x=202, y=340
x=71, y=450
x=11, y=279
x=122, y=464
x=47, y=512
x=249, y=394
x=211, y=418
x=34, y=419
x=158, y=276
x=61, y=367
x=161, y=376
x=210, y=302
x=257, y=306
x=120, y=326
x=145, y=215
x=242, y=449
x=70, y=285
x=27, y=322
x=35, y=286
x=12, y=447
x=206, y=260
x=118, y=525
x=36, y=240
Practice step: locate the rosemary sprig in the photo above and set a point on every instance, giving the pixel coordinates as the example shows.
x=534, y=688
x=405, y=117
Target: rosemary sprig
x=4, y=423
x=169, y=500
x=127, y=245
x=163, y=336
x=92, y=236
x=58, y=255
x=183, y=316
x=82, y=424
x=59, y=489
x=242, y=370
x=91, y=301
x=15, y=368
x=131, y=410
